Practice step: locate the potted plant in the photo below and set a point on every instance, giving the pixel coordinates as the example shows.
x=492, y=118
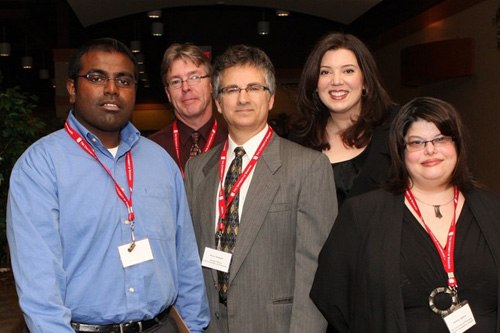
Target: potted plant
x=19, y=128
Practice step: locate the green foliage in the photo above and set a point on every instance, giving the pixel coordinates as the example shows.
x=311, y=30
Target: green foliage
x=19, y=128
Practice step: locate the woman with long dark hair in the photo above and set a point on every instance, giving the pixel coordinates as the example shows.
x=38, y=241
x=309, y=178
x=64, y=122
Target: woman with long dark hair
x=346, y=113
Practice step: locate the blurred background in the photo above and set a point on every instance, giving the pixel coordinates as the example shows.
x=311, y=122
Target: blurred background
x=443, y=48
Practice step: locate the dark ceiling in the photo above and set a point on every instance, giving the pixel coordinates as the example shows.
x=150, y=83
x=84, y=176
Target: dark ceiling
x=37, y=27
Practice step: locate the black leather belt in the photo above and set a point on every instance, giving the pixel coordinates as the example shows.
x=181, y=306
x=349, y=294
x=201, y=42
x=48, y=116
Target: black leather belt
x=130, y=327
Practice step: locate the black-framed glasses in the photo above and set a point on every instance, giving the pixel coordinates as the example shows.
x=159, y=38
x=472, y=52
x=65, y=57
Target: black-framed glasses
x=252, y=90
x=416, y=145
x=193, y=80
x=101, y=79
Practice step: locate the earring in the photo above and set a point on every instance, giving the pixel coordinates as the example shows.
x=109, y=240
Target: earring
x=364, y=92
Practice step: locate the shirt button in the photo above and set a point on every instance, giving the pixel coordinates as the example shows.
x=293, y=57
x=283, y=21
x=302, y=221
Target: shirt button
x=126, y=222
x=94, y=139
x=131, y=289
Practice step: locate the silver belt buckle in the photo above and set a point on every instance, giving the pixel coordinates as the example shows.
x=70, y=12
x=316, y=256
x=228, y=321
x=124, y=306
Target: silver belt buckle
x=139, y=323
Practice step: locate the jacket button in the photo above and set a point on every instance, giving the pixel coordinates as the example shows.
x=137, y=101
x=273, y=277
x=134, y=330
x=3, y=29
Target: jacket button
x=217, y=315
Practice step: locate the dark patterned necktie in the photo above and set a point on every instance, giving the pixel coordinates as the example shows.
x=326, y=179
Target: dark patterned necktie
x=195, y=150
x=231, y=221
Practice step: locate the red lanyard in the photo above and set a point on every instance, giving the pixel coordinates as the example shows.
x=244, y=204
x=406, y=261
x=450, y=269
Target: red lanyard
x=223, y=205
x=447, y=257
x=129, y=166
x=208, y=145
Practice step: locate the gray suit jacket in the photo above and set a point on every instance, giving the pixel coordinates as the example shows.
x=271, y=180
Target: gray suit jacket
x=288, y=212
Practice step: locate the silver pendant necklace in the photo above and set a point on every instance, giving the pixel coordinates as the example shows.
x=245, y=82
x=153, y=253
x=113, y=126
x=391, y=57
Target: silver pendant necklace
x=437, y=210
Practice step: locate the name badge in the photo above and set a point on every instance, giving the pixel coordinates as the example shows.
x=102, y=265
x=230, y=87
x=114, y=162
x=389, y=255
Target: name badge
x=461, y=319
x=141, y=253
x=216, y=259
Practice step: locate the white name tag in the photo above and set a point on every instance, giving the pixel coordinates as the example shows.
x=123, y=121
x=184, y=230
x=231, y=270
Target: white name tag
x=461, y=319
x=141, y=253
x=216, y=259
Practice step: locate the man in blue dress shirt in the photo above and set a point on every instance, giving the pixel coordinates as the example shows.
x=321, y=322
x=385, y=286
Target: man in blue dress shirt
x=98, y=225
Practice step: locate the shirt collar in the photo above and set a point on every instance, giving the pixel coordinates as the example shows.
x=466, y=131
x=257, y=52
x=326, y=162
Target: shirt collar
x=185, y=131
x=129, y=135
x=250, y=146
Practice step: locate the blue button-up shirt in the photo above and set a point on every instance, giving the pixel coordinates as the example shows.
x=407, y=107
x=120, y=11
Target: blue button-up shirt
x=65, y=223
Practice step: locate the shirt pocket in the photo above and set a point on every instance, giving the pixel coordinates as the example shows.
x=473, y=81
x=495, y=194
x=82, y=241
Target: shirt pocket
x=156, y=209
x=280, y=207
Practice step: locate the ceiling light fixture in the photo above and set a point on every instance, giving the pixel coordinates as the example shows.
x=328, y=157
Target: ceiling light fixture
x=140, y=58
x=4, y=47
x=157, y=29
x=154, y=13
x=26, y=61
x=282, y=13
x=43, y=73
x=135, y=46
x=263, y=26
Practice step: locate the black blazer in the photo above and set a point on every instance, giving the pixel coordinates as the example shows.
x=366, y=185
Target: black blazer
x=356, y=286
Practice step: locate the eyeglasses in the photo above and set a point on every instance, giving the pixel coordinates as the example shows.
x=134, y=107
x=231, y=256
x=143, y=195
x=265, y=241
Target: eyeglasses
x=191, y=81
x=252, y=90
x=417, y=145
x=101, y=79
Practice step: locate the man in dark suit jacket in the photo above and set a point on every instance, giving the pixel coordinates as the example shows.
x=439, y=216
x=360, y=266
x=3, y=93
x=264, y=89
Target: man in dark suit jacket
x=286, y=207
x=185, y=73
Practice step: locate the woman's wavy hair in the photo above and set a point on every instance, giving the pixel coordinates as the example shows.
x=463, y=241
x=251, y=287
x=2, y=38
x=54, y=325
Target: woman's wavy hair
x=448, y=121
x=375, y=104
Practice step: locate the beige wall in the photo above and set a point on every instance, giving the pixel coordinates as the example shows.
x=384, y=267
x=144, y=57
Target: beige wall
x=477, y=98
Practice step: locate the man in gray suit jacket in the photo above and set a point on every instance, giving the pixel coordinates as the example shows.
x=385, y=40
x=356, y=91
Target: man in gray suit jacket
x=284, y=207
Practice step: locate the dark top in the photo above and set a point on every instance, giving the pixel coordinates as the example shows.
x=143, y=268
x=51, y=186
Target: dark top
x=357, y=286
x=346, y=172
x=422, y=272
x=372, y=168
x=164, y=138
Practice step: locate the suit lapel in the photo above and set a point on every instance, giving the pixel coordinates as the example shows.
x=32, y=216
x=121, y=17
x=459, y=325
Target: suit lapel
x=207, y=195
x=259, y=198
x=395, y=211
